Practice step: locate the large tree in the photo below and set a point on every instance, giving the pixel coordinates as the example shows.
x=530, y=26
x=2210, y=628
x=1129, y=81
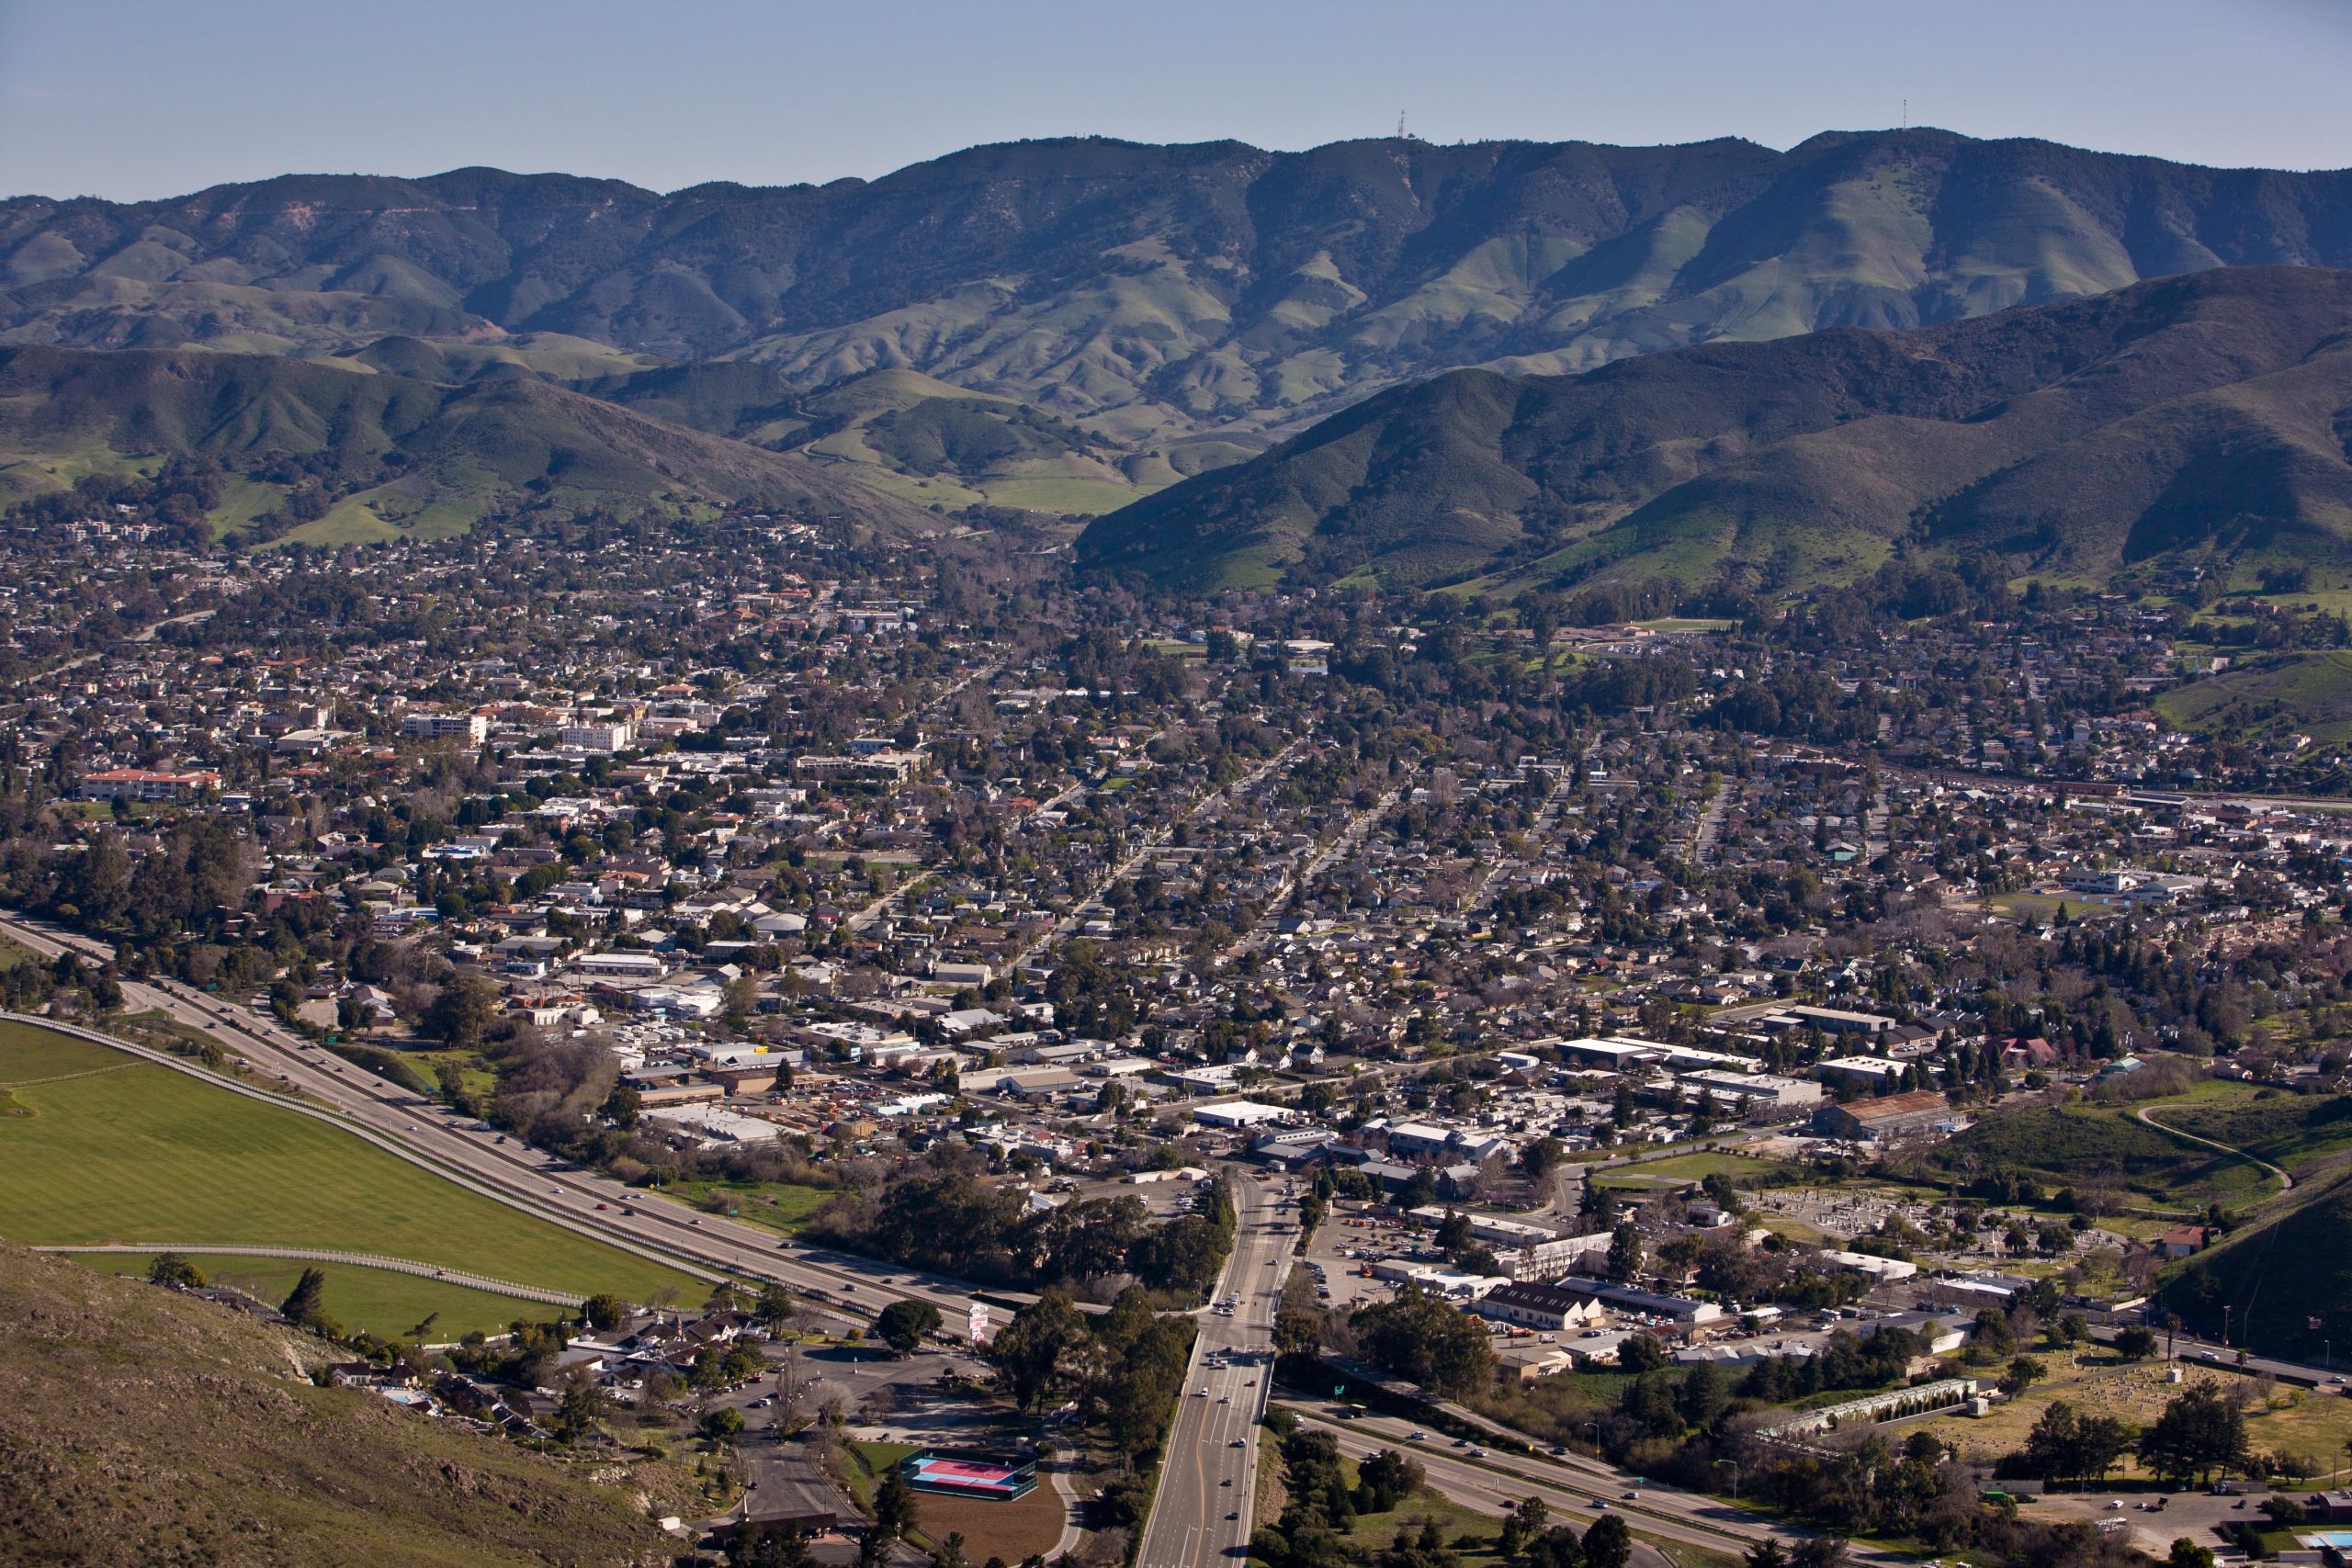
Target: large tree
x=904, y=1324
x=460, y=1015
x=2198, y=1433
x=1608, y=1544
x=1031, y=1352
x=2064, y=1445
x=1624, y=1251
x=1428, y=1339
x=305, y=1304
x=894, y=1506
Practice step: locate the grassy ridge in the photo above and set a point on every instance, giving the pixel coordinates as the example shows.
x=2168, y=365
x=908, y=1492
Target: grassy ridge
x=2099, y=1146
x=2310, y=693
x=142, y=1427
x=144, y=1153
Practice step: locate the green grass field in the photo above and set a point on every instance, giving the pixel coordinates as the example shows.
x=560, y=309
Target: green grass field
x=382, y=1302
x=2307, y=692
x=778, y=1205
x=1698, y=1166
x=138, y=1152
x=2101, y=1146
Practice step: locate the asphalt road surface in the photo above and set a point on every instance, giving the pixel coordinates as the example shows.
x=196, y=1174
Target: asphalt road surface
x=1200, y=1514
x=1572, y=1484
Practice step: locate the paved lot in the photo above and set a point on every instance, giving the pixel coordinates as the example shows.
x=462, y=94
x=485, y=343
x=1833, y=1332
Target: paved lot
x=2195, y=1514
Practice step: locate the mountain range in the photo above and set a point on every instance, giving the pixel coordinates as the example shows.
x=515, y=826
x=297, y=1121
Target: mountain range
x=1070, y=326
x=1182, y=305
x=2160, y=427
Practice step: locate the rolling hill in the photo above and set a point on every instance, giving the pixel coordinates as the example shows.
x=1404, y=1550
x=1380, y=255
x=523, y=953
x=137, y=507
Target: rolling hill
x=388, y=451
x=2193, y=420
x=139, y=1426
x=1158, y=295
x=899, y=431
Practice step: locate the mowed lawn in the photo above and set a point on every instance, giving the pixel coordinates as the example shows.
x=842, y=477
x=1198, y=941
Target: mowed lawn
x=382, y=1302
x=136, y=1152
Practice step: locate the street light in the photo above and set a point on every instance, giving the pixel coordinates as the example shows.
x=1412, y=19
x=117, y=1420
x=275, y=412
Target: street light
x=1734, y=1476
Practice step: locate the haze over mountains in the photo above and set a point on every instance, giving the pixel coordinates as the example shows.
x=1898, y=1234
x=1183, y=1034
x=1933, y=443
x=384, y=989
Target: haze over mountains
x=1127, y=315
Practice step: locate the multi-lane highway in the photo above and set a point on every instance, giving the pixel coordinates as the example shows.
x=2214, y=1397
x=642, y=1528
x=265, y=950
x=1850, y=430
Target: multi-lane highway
x=521, y=1176
x=1571, y=1485
x=1209, y=1473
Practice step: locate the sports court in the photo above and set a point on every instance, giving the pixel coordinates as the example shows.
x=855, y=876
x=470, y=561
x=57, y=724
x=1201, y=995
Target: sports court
x=969, y=1476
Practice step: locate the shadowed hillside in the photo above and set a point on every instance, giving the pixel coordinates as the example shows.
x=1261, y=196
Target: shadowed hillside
x=2191, y=420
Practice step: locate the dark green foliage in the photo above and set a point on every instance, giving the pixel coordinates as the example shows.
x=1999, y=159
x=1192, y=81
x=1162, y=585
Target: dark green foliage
x=1843, y=1361
x=2066, y=1446
x=1608, y=1543
x=306, y=1304
x=1426, y=1339
x=768, y=1545
x=172, y=1269
x=2198, y=1433
x=951, y=1223
x=1125, y=1366
x=904, y=1324
x=894, y=1506
x=1387, y=1479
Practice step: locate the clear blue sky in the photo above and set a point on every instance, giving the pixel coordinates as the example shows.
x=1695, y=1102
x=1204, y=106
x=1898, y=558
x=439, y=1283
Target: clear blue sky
x=131, y=99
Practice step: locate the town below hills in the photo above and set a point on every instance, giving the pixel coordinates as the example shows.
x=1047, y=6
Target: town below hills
x=1398, y=857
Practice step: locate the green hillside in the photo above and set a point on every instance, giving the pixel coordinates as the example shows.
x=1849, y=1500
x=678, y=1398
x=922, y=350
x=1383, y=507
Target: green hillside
x=107, y=1149
x=137, y=1425
x=2189, y=420
x=378, y=451
x=2099, y=1146
x=2310, y=694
